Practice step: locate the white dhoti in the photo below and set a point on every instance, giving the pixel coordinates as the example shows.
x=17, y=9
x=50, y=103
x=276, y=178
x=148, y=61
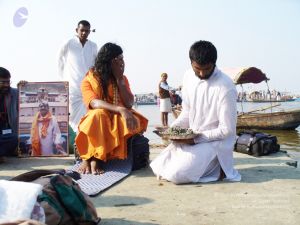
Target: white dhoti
x=165, y=105
x=181, y=163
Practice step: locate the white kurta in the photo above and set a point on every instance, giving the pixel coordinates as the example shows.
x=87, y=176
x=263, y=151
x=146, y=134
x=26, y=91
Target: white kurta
x=209, y=107
x=74, y=62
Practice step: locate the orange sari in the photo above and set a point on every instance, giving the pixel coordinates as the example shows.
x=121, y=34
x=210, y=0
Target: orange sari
x=103, y=134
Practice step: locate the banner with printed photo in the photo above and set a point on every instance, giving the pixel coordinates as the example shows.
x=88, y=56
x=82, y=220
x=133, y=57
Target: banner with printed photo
x=43, y=119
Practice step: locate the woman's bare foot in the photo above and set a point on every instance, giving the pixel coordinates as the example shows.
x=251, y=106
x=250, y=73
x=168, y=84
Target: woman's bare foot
x=85, y=167
x=95, y=168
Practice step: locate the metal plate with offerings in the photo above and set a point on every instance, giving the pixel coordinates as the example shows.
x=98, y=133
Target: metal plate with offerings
x=175, y=133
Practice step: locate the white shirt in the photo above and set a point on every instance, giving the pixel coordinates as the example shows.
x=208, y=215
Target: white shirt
x=165, y=86
x=74, y=61
x=209, y=107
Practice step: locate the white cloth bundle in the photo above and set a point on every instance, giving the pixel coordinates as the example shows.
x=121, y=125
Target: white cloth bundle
x=17, y=199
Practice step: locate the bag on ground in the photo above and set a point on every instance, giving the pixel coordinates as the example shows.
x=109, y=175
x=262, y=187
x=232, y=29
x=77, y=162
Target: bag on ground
x=256, y=143
x=139, y=147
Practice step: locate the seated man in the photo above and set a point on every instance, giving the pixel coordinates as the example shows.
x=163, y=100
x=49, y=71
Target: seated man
x=103, y=132
x=45, y=138
x=8, y=115
x=209, y=109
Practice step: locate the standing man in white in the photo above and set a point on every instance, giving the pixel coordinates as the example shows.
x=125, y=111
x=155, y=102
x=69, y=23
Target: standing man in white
x=209, y=109
x=76, y=57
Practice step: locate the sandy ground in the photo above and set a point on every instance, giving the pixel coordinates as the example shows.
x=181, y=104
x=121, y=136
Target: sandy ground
x=269, y=193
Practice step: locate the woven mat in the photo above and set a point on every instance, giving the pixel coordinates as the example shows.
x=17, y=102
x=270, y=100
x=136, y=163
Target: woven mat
x=114, y=171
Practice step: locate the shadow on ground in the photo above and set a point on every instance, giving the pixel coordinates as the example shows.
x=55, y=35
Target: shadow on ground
x=277, y=158
x=120, y=201
x=258, y=174
x=121, y=221
x=30, y=163
x=144, y=172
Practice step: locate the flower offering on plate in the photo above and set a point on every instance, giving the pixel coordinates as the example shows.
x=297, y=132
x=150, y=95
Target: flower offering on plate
x=176, y=133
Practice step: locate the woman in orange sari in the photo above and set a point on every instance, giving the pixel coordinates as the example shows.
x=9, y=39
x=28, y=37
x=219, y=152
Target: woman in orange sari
x=103, y=132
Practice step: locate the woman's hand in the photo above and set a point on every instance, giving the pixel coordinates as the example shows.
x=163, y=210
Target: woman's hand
x=117, y=66
x=131, y=121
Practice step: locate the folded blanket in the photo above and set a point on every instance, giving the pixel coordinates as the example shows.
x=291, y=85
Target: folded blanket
x=17, y=199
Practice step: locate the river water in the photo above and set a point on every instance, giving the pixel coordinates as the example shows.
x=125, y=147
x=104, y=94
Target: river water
x=288, y=140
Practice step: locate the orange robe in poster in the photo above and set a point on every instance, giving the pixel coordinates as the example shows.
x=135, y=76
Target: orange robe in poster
x=103, y=134
x=35, y=139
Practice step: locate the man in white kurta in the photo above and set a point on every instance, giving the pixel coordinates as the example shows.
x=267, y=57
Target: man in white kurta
x=76, y=57
x=208, y=108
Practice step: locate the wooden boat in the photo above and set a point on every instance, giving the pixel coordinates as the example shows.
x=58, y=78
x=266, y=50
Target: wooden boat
x=288, y=120
x=285, y=120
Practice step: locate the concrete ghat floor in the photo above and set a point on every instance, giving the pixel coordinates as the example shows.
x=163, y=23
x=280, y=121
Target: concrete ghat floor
x=269, y=193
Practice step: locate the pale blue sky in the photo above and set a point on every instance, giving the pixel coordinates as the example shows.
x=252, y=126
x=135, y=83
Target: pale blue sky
x=156, y=35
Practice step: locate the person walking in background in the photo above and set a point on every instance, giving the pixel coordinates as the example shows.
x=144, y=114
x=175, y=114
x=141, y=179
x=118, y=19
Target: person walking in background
x=165, y=104
x=76, y=57
x=179, y=95
x=110, y=121
x=175, y=99
x=8, y=115
x=209, y=109
x=135, y=101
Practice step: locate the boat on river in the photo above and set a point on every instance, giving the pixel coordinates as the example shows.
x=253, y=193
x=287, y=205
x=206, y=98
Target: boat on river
x=286, y=120
x=266, y=101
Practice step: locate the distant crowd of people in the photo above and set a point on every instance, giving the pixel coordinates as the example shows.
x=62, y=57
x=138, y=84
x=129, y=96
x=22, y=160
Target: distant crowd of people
x=263, y=95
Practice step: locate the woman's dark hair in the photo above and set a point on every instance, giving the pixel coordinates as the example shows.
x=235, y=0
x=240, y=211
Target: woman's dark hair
x=107, y=53
x=4, y=73
x=203, y=52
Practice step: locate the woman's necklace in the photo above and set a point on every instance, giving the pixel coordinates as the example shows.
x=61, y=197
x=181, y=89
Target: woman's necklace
x=115, y=94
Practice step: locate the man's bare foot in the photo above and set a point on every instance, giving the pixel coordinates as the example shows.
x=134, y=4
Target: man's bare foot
x=158, y=177
x=95, y=168
x=222, y=175
x=85, y=167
